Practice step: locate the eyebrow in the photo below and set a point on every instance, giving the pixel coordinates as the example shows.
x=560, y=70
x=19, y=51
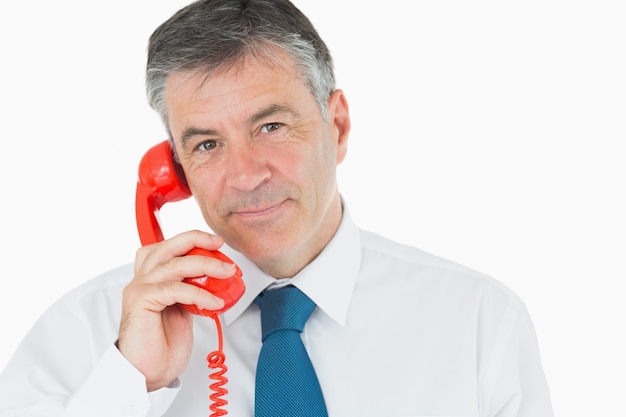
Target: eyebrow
x=268, y=111
x=271, y=110
x=190, y=132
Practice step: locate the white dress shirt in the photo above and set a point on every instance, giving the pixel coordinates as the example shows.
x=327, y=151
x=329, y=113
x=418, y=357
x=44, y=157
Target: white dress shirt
x=398, y=332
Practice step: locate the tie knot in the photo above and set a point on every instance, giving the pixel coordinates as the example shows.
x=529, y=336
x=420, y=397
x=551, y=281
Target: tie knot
x=286, y=308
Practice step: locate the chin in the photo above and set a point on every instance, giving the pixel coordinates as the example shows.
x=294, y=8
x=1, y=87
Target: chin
x=277, y=257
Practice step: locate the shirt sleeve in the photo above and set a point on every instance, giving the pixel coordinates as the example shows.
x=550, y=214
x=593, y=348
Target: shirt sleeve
x=511, y=376
x=116, y=388
x=68, y=366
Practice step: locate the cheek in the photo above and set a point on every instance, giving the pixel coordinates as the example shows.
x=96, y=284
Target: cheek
x=327, y=159
x=207, y=193
x=317, y=161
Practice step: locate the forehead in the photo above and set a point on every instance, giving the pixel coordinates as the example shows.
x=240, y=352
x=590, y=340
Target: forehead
x=273, y=64
x=234, y=85
x=235, y=95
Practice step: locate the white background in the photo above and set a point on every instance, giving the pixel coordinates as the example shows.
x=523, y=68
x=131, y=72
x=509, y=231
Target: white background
x=491, y=133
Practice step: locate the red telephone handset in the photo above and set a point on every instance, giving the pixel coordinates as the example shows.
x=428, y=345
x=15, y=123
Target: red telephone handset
x=161, y=180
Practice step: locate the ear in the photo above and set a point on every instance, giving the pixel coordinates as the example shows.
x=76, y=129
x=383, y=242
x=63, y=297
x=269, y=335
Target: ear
x=339, y=122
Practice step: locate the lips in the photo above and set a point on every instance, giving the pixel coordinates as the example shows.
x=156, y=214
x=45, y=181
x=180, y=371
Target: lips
x=258, y=211
x=261, y=202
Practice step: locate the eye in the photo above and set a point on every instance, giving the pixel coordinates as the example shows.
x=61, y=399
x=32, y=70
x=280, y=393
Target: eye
x=270, y=127
x=207, y=145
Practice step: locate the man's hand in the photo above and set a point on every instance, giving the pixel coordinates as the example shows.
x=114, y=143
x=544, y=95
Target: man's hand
x=156, y=334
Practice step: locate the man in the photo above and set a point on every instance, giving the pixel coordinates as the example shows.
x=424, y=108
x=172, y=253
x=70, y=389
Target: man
x=247, y=93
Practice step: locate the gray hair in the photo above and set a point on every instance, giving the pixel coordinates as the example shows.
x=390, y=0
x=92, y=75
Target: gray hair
x=209, y=35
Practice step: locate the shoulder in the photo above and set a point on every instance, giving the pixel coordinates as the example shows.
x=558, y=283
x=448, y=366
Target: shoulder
x=100, y=293
x=111, y=280
x=413, y=267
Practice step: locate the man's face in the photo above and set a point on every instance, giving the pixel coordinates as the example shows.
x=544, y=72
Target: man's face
x=260, y=159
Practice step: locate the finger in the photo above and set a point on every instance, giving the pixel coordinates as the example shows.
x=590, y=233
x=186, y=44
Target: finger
x=190, y=266
x=154, y=298
x=150, y=256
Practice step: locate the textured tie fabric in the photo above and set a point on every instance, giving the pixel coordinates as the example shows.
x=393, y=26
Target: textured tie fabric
x=286, y=383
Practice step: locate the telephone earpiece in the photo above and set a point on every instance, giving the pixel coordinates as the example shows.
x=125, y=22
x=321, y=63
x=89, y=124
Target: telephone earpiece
x=161, y=180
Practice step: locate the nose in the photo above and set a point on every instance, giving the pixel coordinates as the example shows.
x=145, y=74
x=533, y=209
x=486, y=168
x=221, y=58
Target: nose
x=247, y=167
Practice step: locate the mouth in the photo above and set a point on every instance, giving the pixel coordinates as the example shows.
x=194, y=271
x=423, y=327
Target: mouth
x=258, y=212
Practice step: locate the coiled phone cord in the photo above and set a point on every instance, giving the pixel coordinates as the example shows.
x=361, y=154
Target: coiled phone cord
x=216, y=360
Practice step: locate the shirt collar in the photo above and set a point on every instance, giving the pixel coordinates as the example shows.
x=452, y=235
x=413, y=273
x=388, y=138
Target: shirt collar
x=328, y=280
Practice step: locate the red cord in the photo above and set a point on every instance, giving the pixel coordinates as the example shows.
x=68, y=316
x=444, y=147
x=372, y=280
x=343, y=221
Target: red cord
x=216, y=360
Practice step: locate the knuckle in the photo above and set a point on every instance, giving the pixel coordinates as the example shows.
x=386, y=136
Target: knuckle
x=131, y=291
x=142, y=255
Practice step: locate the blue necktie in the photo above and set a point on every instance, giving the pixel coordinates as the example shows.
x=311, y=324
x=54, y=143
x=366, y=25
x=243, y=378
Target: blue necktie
x=286, y=384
